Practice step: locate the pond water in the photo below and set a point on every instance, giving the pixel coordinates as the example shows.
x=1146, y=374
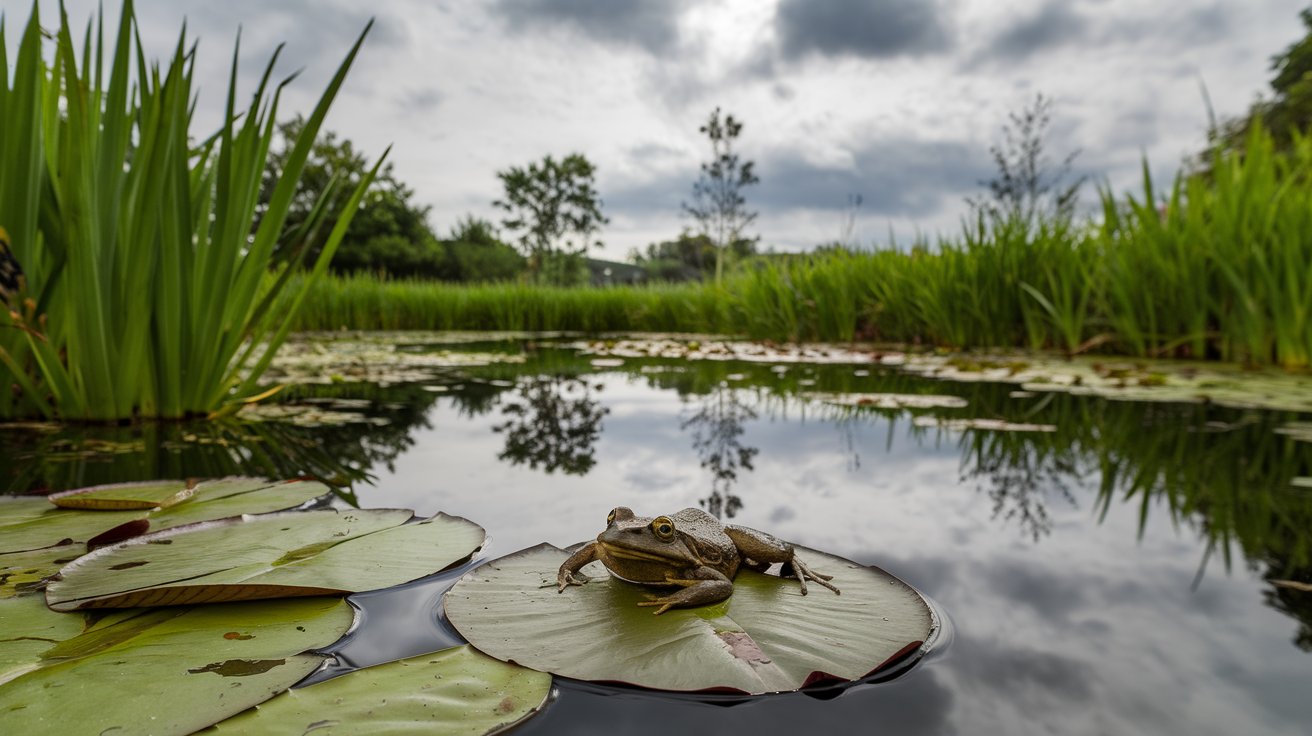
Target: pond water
x=1103, y=566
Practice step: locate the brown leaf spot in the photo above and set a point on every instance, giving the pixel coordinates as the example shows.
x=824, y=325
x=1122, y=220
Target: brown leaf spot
x=744, y=647
x=506, y=705
x=239, y=667
x=129, y=565
x=234, y=636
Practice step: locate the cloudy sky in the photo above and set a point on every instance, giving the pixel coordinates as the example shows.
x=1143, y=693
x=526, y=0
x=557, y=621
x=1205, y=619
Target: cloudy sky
x=893, y=100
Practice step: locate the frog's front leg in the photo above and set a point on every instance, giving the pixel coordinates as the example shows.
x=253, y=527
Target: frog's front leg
x=701, y=586
x=760, y=547
x=582, y=556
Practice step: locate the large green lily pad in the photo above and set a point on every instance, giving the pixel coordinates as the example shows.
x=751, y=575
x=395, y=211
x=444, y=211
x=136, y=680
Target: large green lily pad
x=766, y=638
x=293, y=553
x=454, y=691
x=162, y=671
x=30, y=522
x=125, y=496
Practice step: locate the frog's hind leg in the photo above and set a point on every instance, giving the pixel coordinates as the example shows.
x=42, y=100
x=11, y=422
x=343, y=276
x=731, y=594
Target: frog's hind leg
x=761, y=548
x=701, y=587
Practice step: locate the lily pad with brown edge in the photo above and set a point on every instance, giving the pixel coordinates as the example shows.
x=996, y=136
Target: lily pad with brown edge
x=162, y=671
x=30, y=522
x=767, y=637
x=125, y=496
x=294, y=553
x=454, y=691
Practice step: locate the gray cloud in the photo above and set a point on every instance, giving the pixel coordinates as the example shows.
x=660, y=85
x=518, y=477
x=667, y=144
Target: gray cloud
x=895, y=177
x=652, y=25
x=872, y=29
x=1059, y=23
x=1054, y=24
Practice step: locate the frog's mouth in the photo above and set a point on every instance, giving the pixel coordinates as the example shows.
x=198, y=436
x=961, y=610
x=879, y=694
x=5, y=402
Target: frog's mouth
x=626, y=553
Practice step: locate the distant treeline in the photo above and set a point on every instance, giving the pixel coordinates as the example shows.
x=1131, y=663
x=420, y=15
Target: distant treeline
x=1221, y=269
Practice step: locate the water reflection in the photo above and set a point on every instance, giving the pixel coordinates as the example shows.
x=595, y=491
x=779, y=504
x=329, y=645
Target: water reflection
x=1043, y=568
x=553, y=424
x=716, y=425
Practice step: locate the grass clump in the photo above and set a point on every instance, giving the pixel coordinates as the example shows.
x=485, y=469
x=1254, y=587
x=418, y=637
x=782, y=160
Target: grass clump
x=148, y=292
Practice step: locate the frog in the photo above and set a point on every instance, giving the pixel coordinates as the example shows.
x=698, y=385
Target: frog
x=691, y=550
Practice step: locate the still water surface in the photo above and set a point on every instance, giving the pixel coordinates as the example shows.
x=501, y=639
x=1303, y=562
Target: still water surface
x=1115, y=573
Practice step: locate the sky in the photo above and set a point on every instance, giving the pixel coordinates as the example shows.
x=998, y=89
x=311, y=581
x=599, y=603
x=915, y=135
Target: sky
x=894, y=101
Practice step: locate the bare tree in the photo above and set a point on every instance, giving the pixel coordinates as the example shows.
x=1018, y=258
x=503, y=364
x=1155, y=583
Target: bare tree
x=718, y=205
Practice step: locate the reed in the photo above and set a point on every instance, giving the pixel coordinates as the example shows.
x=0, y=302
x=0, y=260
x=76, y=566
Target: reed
x=148, y=290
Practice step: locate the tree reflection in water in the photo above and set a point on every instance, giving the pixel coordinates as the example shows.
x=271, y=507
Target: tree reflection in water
x=554, y=425
x=717, y=430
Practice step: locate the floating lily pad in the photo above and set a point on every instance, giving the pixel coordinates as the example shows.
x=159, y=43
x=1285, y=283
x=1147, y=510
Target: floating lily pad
x=767, y=637
x=984, y=424
x=163, y=671
x=892, y=401
x=22, y=571
x=30, y=523
x=1298, y=431
x=295, y=553
x=123, y=496
x=454, y=691
x=29, y=630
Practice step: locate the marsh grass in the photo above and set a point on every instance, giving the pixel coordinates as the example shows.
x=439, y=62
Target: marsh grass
x=149, y=292
x=1219, y=268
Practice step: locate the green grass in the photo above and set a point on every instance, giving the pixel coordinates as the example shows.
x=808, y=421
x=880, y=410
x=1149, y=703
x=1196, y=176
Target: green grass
x=149, y=294
x=1221, y=269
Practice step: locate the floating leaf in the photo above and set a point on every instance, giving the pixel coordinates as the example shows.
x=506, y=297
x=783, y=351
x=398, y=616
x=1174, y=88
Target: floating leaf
x=30, y=629
x=892, y=401
x=981, y=423
x=20, y=571
x=162, y=671
x=767, y=637
x=454, y=691
x=122, y=496
x=30, y=523
x=294, y=553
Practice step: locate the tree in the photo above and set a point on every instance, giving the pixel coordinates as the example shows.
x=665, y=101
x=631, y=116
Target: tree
x=1289, y=109
x=718, y=205
x=475, y=253
x=556, y=210
x=389, y=232
x=1028, y=185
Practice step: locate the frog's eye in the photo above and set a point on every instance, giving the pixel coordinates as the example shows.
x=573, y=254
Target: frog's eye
x=610, y=518
x=663, y=527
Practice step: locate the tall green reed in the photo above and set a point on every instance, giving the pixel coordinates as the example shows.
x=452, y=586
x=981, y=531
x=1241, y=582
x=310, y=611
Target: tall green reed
x=136, y=239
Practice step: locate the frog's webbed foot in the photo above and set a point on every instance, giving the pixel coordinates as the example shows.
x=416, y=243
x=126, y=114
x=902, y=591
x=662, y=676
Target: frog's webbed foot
x=566, y=578
x=795, y=568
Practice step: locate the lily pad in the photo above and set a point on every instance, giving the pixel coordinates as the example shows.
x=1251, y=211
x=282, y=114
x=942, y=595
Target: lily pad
x=30, y=523
x=295, y=553
x=121, y=496
x=892, y=401
x=982, y=424
x=30, y=629
x=767, y=637
x=22, y=571
x=164, y=671
x=454, y=691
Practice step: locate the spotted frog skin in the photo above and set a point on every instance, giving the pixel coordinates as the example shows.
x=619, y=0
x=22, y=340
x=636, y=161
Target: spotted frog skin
x=690, y=550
